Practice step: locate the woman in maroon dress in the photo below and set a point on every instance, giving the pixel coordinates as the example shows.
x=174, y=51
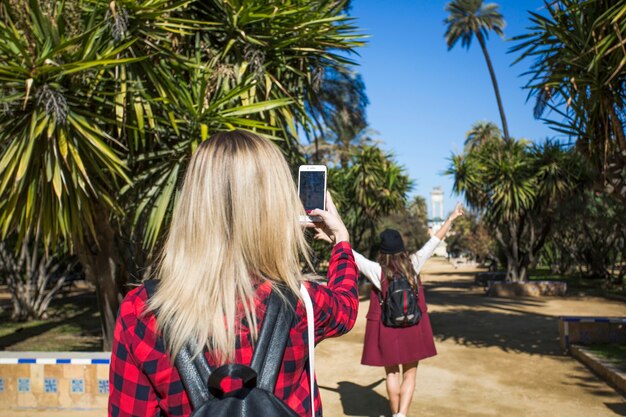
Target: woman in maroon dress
x=394, y=347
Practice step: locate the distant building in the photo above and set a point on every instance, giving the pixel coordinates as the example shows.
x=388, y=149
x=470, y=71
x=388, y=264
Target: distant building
x=436, y=219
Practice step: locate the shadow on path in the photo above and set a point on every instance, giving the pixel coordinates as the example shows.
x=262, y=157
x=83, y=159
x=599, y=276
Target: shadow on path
x=472, y=319
x=470, y=274
x=527, y=333
x=462, y=313
x=358, y=400
x=617, y=408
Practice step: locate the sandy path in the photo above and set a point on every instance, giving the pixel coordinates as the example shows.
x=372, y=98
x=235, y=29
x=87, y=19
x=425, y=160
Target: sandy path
x=497, y=357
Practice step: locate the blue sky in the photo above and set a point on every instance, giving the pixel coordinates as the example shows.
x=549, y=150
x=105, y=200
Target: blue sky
x=424, y=98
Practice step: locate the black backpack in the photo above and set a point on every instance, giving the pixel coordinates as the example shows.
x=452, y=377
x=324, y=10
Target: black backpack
x=256, y=396
x=399, y=304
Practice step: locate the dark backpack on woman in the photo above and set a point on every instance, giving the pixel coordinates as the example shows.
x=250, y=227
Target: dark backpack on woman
x=256, y=396
x=399, y=304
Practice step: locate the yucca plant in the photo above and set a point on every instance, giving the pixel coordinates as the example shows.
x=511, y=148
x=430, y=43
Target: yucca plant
x=33, y=278
x=516, y=187
x=102, y=103
x=578, y=78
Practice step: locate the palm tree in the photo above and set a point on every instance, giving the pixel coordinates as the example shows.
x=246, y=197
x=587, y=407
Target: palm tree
x=370, y=187
x=481, y=133
x=330, y=150
x=338, y=109
x=469, y=18
x=102, y=103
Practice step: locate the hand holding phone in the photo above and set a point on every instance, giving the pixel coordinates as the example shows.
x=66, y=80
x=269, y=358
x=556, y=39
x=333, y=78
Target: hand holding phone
x=331, y=228
x=312, y=190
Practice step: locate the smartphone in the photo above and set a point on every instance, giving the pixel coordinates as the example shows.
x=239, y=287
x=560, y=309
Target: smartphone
x=312, y=190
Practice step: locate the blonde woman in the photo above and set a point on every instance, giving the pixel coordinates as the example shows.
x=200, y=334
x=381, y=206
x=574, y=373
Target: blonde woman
x=234, y=234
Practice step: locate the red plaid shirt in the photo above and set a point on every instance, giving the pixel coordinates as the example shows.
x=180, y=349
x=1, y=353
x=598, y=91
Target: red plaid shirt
x=143, y=381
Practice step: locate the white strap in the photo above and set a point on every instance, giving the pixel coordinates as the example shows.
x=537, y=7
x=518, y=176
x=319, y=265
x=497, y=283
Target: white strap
x=310, y=320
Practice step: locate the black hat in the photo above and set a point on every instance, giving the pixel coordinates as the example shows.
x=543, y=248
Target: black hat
x=391, y=242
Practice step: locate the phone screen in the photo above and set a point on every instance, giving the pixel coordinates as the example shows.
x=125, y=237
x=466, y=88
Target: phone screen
x=312, y=189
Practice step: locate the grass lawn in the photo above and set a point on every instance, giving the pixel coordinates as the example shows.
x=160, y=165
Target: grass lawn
x=74, y=325
x=613, y=353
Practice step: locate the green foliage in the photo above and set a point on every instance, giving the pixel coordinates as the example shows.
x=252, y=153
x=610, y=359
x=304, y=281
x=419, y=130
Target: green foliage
x=590, y=235
x=372, y=186
x=469, y=18
x=471, y=235
x=103, y=99
x=481, y=133
x=516, y=187
x=55, y=157
x=102, y=103
x=338, y=108
x=578, y=78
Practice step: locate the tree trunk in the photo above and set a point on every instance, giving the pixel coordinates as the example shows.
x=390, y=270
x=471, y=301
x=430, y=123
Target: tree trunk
x=618, y=128
x=104, y=266
x=516, y=270
x=505, y=127
x=516, y=265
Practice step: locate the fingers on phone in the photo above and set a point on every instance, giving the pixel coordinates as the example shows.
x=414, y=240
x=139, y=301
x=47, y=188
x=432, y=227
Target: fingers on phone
x=317, y=213
x=330, y=205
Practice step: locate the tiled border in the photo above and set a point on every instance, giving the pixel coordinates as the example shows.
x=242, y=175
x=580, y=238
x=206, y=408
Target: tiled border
x=586, y=319
x=77, y=385
x=50, y=385
x=55, y=358
x=103, y=386
x=50, y=361
x=23, y=385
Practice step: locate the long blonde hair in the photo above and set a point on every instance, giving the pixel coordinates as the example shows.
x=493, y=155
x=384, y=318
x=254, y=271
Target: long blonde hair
x=236, y=222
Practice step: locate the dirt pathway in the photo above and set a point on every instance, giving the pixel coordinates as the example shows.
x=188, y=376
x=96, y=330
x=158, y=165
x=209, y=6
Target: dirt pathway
x=497, y=357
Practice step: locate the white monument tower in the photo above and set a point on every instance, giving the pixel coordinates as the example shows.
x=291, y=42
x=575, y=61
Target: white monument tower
x=436, y=202
x=436, y=220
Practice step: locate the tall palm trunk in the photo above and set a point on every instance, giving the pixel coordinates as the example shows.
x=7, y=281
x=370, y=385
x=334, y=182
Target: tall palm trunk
x=505, y=127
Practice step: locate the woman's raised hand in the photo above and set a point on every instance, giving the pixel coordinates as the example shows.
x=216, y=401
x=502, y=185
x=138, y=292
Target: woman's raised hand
x=331, y=228
x=457, y=212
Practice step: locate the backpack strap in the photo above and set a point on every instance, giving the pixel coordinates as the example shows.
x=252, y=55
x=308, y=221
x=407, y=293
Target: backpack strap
x=383, y=288
x=270, y=347
x=310, y=320
x=194, y=372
